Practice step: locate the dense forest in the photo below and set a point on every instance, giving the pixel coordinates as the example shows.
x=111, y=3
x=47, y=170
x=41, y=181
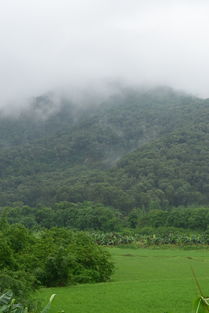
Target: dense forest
x=134, y=150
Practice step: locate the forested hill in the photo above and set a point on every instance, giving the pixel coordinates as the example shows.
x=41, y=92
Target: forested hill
x=133, y=149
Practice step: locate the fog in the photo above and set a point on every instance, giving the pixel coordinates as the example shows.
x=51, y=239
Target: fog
x=74, y=44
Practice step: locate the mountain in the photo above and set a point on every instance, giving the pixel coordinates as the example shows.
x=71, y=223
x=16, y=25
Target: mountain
x=134, y=148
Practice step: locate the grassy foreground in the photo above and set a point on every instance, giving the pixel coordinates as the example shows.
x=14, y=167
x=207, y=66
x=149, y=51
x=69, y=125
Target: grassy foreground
x=145, y=281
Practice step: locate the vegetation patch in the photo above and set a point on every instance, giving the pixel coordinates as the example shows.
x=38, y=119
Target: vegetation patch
x=56, y=257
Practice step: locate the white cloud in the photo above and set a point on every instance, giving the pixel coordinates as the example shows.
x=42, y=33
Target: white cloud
x=54, y=43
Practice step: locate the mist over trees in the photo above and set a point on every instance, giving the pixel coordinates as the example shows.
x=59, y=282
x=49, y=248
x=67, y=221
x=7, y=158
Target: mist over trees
x=144, y=149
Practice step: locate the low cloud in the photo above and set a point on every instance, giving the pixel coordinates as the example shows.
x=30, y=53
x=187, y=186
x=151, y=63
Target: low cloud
x=60, y=44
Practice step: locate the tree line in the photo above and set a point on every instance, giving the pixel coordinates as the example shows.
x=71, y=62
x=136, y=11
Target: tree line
x=90, y=216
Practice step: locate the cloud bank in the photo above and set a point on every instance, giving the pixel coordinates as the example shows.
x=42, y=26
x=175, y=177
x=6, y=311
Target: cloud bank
x=52, y=44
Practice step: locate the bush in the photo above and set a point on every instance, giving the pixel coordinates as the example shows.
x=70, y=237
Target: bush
x=20, y=282
x=55, y=257
x=71, y=257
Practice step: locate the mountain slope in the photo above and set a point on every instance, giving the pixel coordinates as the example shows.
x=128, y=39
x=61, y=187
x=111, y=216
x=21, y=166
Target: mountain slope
x=71, y=153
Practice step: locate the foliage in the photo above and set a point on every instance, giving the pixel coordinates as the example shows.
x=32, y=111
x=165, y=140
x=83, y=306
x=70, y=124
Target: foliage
x=68, y=155
x=113, y=239
x=8, y=305
x=94, y=216
x=55, y=257
x=22, y=283
x=82, y=216
x=196, y=218
x=152, y=237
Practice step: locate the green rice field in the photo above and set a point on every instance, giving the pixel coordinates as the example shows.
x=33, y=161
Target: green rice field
x=145, y=280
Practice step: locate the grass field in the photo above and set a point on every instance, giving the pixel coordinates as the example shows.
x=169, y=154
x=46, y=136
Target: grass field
x=145, y=280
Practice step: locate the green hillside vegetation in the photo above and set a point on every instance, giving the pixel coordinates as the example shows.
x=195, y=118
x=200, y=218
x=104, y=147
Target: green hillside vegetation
x=136, y=149
x=169, y=172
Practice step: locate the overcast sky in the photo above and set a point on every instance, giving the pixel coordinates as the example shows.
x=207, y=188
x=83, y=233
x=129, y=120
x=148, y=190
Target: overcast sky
x=49, y=44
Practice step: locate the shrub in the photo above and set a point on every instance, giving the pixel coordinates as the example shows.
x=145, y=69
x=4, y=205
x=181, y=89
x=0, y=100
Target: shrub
x=55, y=257
x=71, y=257
x=19, y=282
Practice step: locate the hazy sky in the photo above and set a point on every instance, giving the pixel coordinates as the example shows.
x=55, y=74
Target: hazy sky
x=48, y=44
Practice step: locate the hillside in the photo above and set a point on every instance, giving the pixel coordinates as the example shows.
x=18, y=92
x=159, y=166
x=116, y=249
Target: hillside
x=133, y=149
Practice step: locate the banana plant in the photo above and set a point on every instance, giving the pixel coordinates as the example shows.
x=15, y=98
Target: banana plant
x=8, y=305
x=201, y=304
